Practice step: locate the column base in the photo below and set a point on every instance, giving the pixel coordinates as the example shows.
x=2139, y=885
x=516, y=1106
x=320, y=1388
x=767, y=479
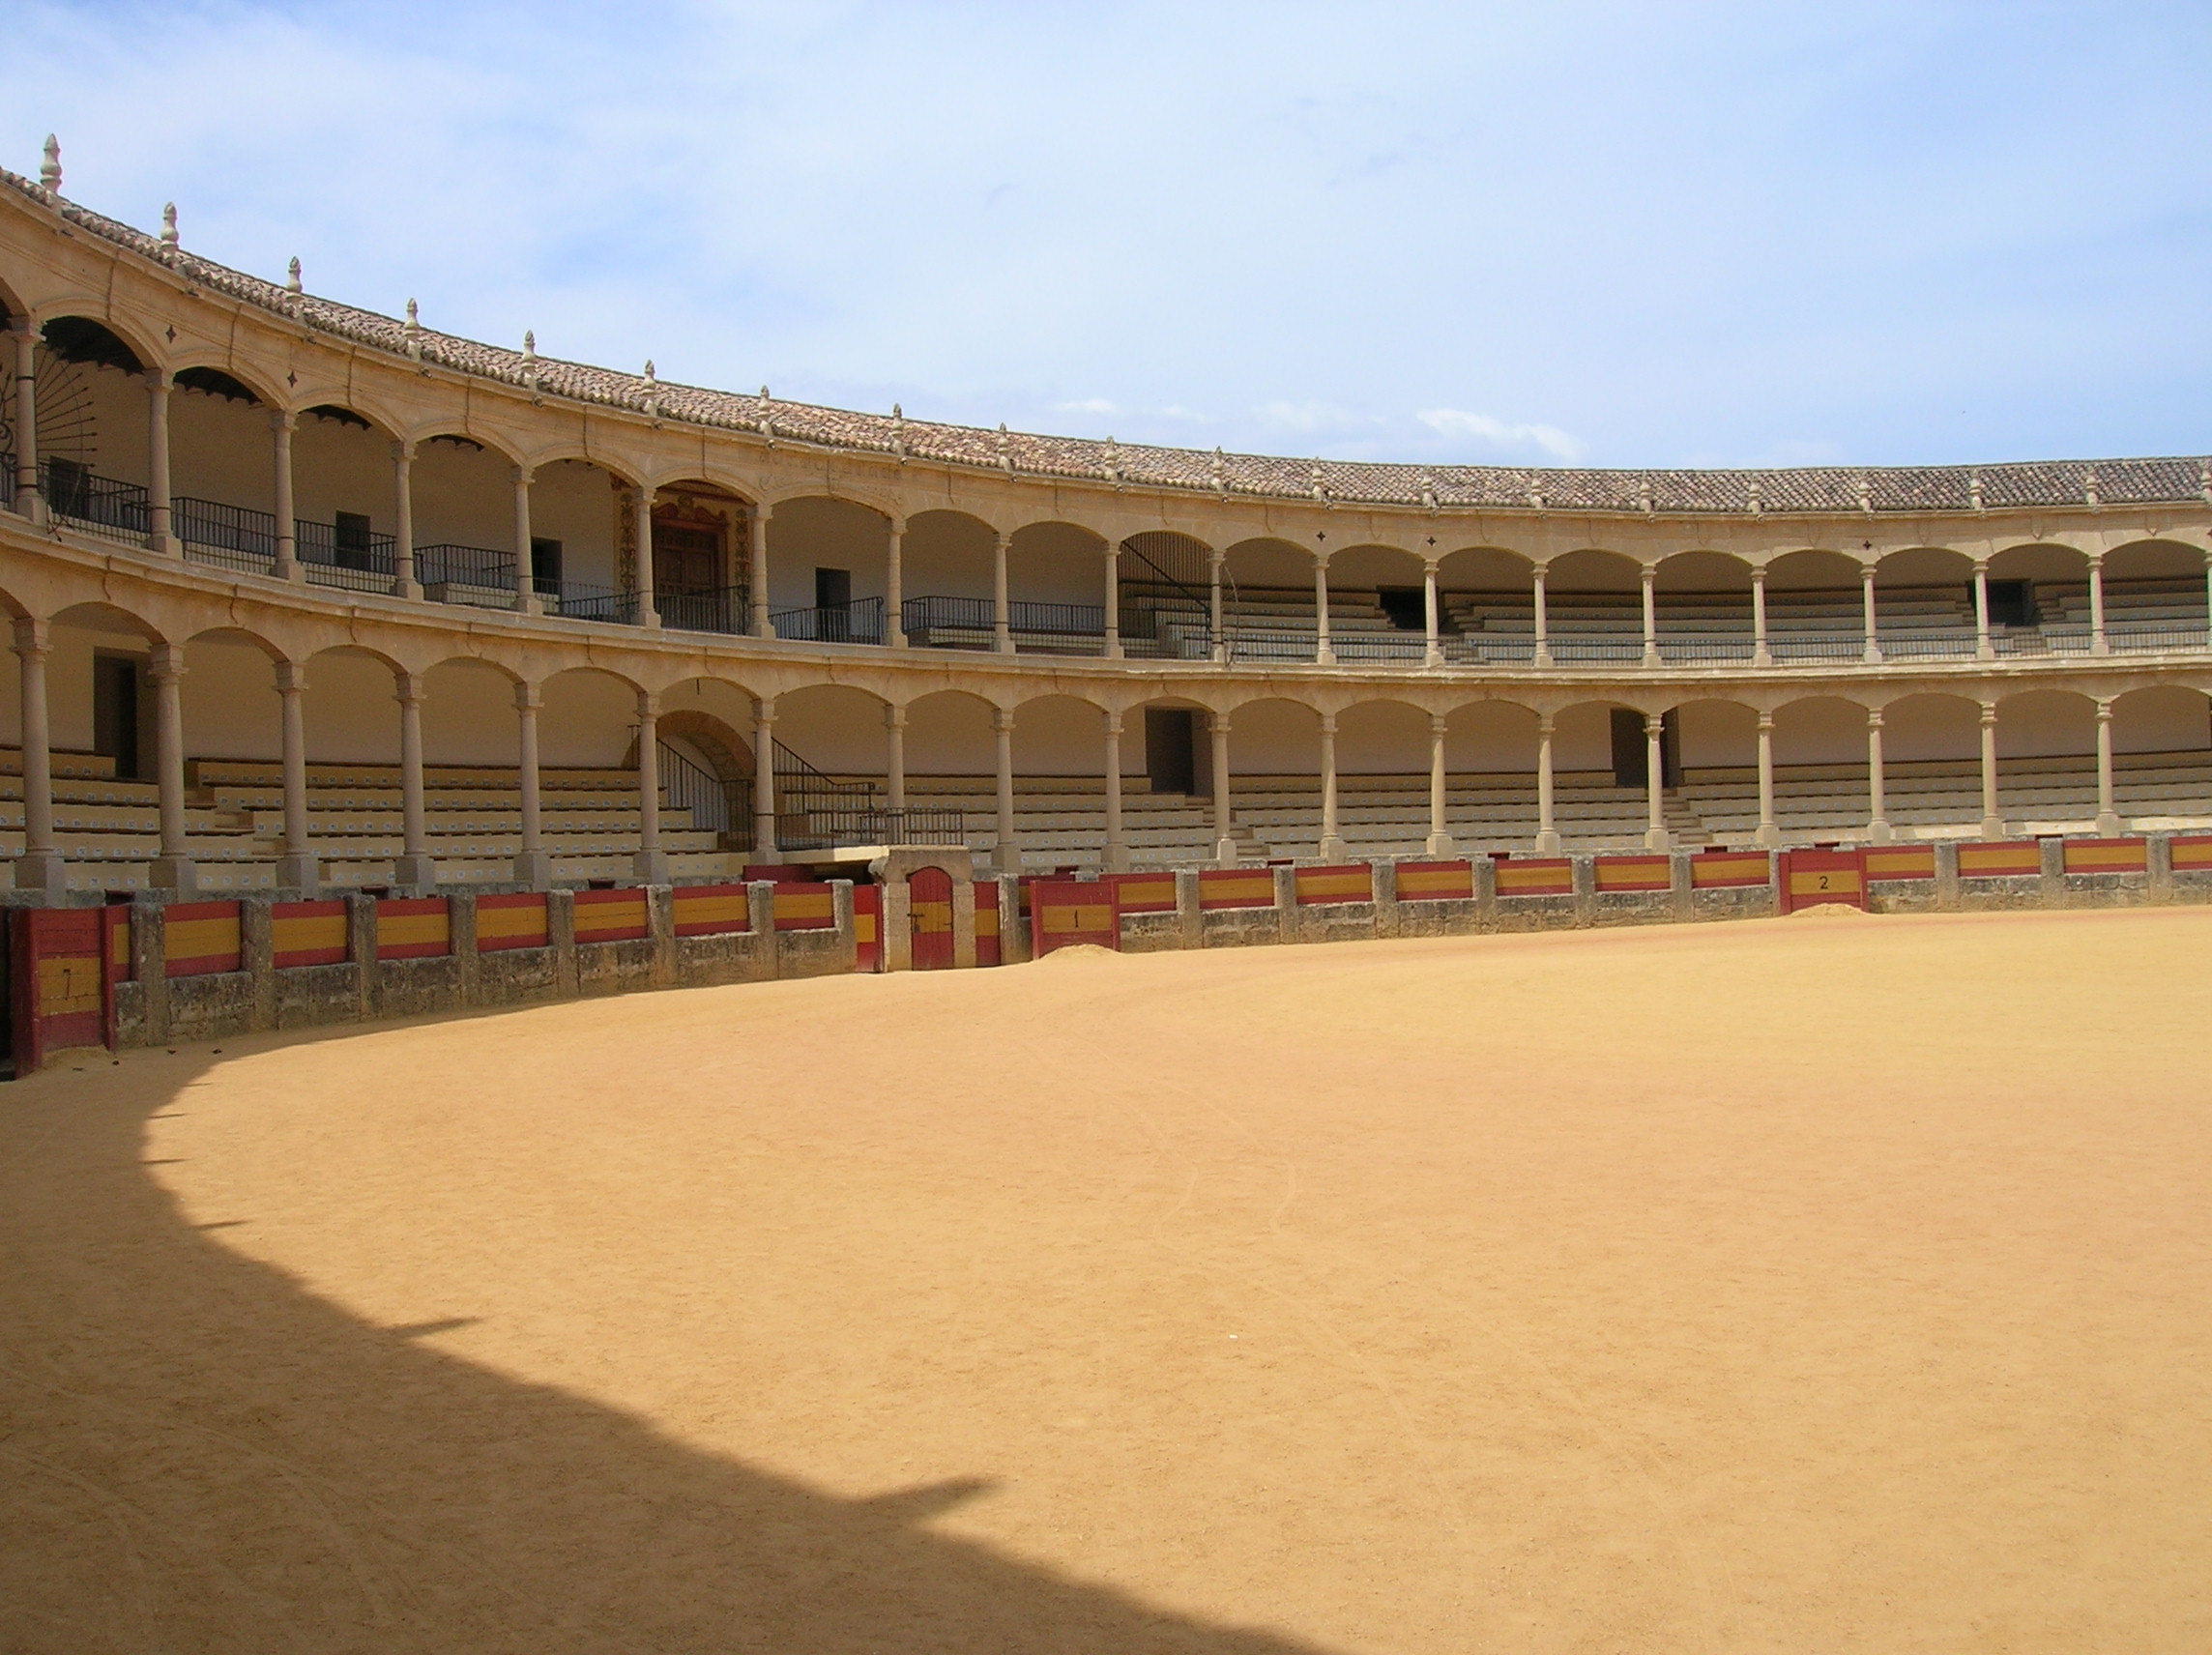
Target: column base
x=1440, y=847
x=1871, y=656
x=534, y=869
x=1548, y=842
x=163, y=546
x=1116, y=859
x=42, y=871
x=1227, y=852
x=1658, y=839
x=1768, y=837
x=651, y=866
x=1762, y=657
x=1652, y=658
x=2109, y=824
x=1543, y=656
x=529, y=603
x=1334, y=850
x=1324, y=658
x=289, y=572
x=174, y=873
x=1880, y=832
x=1433, y=659
x=1992, y=827
x=300, y=871
x=411, y=590
x=414, y=873
x=648, y=619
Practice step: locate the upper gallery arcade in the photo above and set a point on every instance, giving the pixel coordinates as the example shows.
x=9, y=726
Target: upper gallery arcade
x=197, y=461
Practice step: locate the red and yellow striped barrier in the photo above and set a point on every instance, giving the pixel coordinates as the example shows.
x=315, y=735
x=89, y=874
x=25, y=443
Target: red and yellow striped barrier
x=414, y=928
x=308, y=934
x=711, y=910
x=867, y=927
x=1544, y=876
x=611, y=916
x=1729, y=870
x=201, y=938
x=1317, y=887
x=63, y=999
x=1063, y=913
x=1811, y=878
x=806, y=908
x=990, y=945
x=1899, y=862
x=1634, y=873
x=2108, y=857
x=1436, y=882
x=2011, y=860
x=512, y=919
x=1143, y=893
x=1236, y=887
x=2191, y=855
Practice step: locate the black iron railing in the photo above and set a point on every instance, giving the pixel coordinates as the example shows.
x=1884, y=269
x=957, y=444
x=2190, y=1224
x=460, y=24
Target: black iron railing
x=479, y=568
x=716, y=805
x=911, y=826
x=227, y=536
x=968, y=616
x=335, y=554
x=856, y=621
x=7, y=479
x=721, y=610
x=575, y=601
x=80, y=495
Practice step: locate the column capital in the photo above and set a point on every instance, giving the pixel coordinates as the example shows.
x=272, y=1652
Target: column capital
x=1001, y=720
x=1430, y=566
x=523, y=475
x=1981, y=565
x=1328, y=723
x=160, y=379
x=1547, y=724
x=291, y=677
x=1113, y=720
x=1649, y=572
x=407, y=688
x=167, y=662
x=1217, y=722
x=648, y=704
x=529, y=697
x=34, y=636
x=1654, y=723
x=2105, y=709
x=894, y=715
x=1436, y=723
x=1767, y=720
x=402, y=451
x=1988, y=713
x=284, y=419
x=2096, y=560
x=1873, y=717
x=764, y=710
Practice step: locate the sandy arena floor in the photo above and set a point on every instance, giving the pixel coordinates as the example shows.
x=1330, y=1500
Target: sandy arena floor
x=1815, y=1285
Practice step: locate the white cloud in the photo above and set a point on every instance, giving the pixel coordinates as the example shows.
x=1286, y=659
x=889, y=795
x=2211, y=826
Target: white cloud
x=1482, y=428
x=1088, y=405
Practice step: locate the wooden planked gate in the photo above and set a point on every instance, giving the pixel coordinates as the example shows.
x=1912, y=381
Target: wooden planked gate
x=929, y=919
x=1065, y=912
x=1811, y=878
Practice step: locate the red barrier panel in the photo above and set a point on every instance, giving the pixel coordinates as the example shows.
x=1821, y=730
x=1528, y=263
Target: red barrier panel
x=1149, y=893
x=867, y=927
x=711, y=910
x=1811, y=878
x=929, y=919
x=60, y=981
x=115, y=959
x=419, y=927
x=1898, y=862
x=308, y=934
x=1063, y=913
x=2107, y=856
x=806, y=908
x=1729, y=870
x=1544, y=876
x=512, y=919
x=2191, y=855
x=990, y=945
x=1320, y=886
x=1236, y=887
x=1634, y=873
x=200, y=939
x=2011, y=859
x=1436, y=882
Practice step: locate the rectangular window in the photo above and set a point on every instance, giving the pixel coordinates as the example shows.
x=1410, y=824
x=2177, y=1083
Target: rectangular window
x=545, y=564
x=350, y=541
x=117, y=681
x=1171, y=743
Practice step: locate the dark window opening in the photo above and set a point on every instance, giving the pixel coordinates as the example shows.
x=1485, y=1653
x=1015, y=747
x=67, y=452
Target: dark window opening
x=2012, y=603
x=69, y=487
x=545, y=564
x=1405, y=607
x=350, y=541
x=832, y=588
x=1170, y=749
x=1631, y=756
x=117, y=686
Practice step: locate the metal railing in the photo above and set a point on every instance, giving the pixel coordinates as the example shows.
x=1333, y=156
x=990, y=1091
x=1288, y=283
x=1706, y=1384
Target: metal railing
x=475, y=571
x=81, y=496
x=922, y=618
x=910, y=825
x=716, y=805
x=227, y=536
x=356, y=558
x=701, y=610
x=577, y=601
x=857, y=620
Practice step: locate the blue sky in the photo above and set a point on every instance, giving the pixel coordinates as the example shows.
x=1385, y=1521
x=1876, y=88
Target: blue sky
x=1632, y=234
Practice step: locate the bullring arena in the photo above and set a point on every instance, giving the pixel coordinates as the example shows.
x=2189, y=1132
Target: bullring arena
x=656, y=1019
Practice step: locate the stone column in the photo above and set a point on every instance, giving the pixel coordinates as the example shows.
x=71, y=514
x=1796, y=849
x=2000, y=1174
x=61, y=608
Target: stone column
x=1325, y=652
x=158, y=537
x=1113, y=599
x=415, y=869
x=1870, y=623
x=40, y=867
x=27, y=498
x=1877, y=821
x=1983, y=648
x=895, y=585
x=2108, y=823
x=1547, y=829
x=1002, y=614
x=764, y=781
x=1224, y=821
x=648, y=609
x=652, y=862
x=1220, y=638
x=1993, y=824
x=1655, y=780
x=1769, y=836
x=1117, y=855
x=173, y=869
x=282, y=425
x=533, y=863
x=1332, y=846
x=403, y=581
x=1439, y=843
x=756, y=569
x=526, y=597
x=894, y=756
x=1433, y=652
x=1009, y=851
x=1543, y=648
x=1761, y=655
x=297, y=869
x=1650, y=616
x=2099, y=645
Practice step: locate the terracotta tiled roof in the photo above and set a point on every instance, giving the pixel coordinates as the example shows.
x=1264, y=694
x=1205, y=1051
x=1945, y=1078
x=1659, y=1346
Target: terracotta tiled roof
x=1823, y=489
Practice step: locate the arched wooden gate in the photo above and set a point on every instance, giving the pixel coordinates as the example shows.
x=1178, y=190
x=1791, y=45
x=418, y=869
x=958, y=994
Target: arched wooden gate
x=929, y=908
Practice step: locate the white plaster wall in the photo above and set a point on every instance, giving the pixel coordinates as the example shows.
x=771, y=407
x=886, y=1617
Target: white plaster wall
x=1273, y=738
x=1363, y=568
x=1057, y=735
x=2044, y=724
x=1267, y=563
x=336, y=467
x=949, y=734
x=120, y=436
x=231, y=707
x=1928, y=726
x=463, y=496
x=350, y=716
x=468, y=716
x=1823, y=731
x=1485, y=568
x=1383, y=738
x=1814, y=571
x=588, y=719
x=1582, y=737
x=1591, y=570
x=2165, y=720
x=222, y=450
x=1491, y=738
x=804, y=535
x=574, y=502
x=836, y=729
x=945, y=554
x=1717, y=734
x=1056, y=563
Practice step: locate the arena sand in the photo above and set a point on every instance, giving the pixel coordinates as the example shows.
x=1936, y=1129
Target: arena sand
x=1788, y=1286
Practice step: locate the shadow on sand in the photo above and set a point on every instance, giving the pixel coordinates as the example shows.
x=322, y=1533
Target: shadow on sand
x=196, y=1455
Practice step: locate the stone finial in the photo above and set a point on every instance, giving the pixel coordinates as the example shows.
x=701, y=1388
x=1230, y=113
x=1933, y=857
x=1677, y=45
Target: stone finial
x=1113, y=465
x=1220, y=469
x=169, y=229
x=50, y=168
x=1006, y=457
x=2089, y=491
x=767, y=421
x=1536, y=498
x=650, y=378
x=2204, y=480
x=292, y=277
x=1757, y=499
x=530, y=359
x=1975, y=493
x=413, y=331
x=1866, y=496
x=898, y=432
x=1643, y=497
x=1429, y=492
x=1318, y=489
x=652, y=392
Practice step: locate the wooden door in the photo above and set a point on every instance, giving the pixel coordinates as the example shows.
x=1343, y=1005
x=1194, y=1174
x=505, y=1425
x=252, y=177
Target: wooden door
x=929, y=908
x=687, y=558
